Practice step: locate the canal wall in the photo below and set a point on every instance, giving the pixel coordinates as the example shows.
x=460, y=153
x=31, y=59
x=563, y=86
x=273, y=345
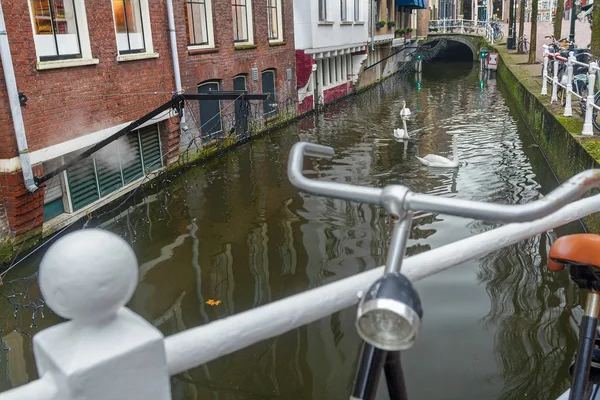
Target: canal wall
x=559, y=138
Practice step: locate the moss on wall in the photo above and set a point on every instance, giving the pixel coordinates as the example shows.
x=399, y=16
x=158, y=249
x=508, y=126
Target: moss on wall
x=558, y=137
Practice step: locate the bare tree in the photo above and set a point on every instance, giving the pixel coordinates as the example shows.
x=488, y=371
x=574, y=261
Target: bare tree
x=522, y=21
x=533, y=35
x=558, y=19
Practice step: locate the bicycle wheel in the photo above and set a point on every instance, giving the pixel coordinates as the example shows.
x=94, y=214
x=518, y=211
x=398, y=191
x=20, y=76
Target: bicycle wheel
x=595, y=120
x=499, y=36
x=583, y=92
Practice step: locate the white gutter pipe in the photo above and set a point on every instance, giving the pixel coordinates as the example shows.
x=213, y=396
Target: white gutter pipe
x=15, y=106
x=175, y=54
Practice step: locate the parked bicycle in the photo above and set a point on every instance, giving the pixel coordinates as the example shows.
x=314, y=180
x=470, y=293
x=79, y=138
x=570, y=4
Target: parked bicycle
x=389, y=313
x=522, y=46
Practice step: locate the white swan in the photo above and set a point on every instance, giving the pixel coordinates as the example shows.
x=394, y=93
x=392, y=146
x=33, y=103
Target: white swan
x=432, y=160
x=402, y=133
x=405, y=112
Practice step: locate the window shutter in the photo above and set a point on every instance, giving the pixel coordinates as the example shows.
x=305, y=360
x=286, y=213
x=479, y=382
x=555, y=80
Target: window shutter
x=108, y=168
x=82, y=184
x=131, y=160
x=150, y=143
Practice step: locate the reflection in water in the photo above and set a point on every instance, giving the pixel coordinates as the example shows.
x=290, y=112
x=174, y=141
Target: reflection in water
x=235, y=230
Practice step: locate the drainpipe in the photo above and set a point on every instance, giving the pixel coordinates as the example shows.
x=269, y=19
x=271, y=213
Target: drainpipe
x=15, y=106
x=373, y=25
x=175, y=56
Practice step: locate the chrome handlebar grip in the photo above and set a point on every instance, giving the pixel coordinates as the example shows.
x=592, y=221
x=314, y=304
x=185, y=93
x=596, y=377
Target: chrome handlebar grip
x=559, y=197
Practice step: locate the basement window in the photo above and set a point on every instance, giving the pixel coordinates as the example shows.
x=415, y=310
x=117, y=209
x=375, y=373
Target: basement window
x=113, y=167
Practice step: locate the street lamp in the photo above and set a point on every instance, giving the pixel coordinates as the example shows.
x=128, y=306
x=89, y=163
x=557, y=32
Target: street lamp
x=574, y=4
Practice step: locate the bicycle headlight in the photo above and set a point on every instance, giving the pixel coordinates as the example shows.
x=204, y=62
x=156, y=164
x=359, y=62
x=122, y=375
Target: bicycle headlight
x=389, y=314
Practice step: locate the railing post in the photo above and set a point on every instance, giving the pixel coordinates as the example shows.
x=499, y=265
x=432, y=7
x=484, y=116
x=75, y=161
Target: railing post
x=462, y=26
x=569, y=90
x=545, y=71
x=588, y=128
x=106, y=351
x=554, y=80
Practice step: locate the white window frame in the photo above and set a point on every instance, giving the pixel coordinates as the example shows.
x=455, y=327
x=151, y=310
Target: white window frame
x=146, y=26
x=344, y=10
x=322, y=12
x=280, y=37
x=84, y=41
x=209, y=28
x=356, y=11
x=250, y=24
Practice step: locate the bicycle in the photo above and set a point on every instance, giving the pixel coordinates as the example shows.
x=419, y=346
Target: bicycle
x=389, y=313
x=522, y=46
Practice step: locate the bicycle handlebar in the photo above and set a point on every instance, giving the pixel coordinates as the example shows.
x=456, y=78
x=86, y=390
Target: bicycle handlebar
x=406, y=200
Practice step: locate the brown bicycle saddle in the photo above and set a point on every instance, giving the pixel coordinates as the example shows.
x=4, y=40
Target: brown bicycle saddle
x=579, y=249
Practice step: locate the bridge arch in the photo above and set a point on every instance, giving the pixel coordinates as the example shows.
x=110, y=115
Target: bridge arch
x=473, y=42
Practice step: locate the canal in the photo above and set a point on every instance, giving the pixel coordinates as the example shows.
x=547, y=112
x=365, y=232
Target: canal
x=235, y=231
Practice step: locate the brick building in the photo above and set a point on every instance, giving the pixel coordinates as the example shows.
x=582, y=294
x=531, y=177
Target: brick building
x=257, y=55
x=88, y=68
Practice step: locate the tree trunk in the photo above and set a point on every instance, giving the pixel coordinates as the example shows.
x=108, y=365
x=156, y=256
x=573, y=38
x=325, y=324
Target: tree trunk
x=533, y=35
x=595, y=43
x=522, y=19
x=560, y=15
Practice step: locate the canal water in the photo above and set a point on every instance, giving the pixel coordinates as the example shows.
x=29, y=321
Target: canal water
x=236, y=231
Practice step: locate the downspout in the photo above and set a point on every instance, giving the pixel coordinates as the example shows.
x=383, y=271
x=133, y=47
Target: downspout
x=372, y=25
x=15, y=106
x=175, y=55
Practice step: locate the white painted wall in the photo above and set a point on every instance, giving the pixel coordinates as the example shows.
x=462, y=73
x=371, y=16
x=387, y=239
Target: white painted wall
x=310, y=33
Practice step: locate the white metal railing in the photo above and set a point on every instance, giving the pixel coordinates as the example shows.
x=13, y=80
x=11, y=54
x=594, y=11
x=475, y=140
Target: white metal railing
x=106, y=351
x=567, y=82
x=463, y=26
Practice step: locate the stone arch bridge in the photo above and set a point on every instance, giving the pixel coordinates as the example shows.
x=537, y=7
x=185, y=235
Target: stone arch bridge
x=473, y=41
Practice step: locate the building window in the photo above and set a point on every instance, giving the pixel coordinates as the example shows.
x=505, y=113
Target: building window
x=57, y=33
x=210, y=113
x=129, y=23
x=356, y=10
x=344, y=9
x=196, y=19
x=268, y=86
x=275, y=17
x=390, y=10
x=378, y=13
x=322, y=10
x=242, y=21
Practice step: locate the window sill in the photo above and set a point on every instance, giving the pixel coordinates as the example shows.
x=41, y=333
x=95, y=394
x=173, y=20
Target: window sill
x=136, y=56
x=245, y=46
x=76, y=62
x=276, y=43
x=359, y=23
x=344, y=23
x=328, y=23
x=196, y=51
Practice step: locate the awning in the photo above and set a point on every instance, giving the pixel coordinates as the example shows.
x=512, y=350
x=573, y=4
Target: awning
x=415, y=4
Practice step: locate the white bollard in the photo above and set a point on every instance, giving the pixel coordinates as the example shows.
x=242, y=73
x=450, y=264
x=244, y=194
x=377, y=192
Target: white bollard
x=568, y=109
x=545, y=71
x=554, y=97
x=106, y=351
x=588, y=128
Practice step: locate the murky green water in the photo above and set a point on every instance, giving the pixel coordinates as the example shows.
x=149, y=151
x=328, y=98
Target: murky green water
x=237, y=231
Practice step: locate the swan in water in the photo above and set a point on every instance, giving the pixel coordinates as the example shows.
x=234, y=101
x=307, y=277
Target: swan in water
x=432, y=160
x=402, y=133
x=405, y=112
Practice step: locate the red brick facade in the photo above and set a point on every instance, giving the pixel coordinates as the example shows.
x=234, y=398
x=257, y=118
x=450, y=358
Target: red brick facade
x=337, y=92
x=66, y=103
x=225, y=61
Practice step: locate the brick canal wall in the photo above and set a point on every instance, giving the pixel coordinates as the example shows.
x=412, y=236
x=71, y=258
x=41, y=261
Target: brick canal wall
x=558, y=137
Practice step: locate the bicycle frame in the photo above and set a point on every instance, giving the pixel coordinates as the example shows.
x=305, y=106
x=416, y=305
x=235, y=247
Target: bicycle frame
x=400, y=202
